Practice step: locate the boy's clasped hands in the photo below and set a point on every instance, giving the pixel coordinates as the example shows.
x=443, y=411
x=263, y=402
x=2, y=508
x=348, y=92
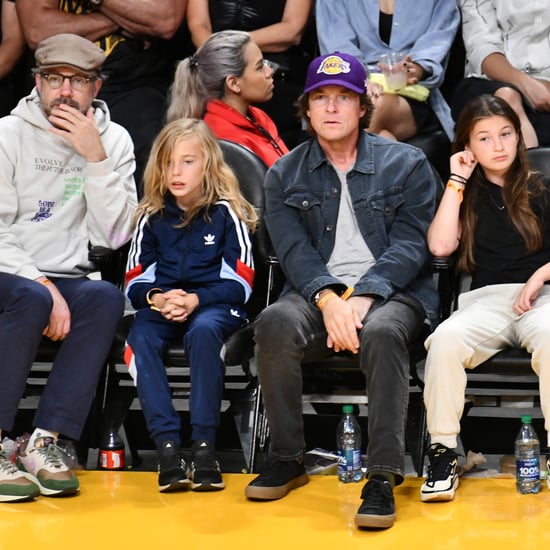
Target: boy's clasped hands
x=176, y=304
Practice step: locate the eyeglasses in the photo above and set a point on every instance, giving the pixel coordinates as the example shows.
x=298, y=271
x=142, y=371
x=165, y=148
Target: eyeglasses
x=78, y=82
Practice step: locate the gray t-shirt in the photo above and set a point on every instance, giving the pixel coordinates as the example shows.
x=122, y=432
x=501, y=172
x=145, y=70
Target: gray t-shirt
x=351, y=257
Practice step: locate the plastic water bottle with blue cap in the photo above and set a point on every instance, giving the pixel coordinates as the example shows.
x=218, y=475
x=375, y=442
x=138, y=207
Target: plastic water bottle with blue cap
x=527, y=449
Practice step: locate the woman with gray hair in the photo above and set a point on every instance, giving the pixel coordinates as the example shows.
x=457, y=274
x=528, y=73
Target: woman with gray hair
x=219, y=83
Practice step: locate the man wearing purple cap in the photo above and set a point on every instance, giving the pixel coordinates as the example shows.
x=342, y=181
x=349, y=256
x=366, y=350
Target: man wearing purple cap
x=347, y=213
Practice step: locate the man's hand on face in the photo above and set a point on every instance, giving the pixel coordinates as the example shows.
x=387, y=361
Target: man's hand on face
x=79, y=129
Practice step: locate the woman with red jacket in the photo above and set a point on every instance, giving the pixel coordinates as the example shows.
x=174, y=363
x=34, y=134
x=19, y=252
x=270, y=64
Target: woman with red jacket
x=219, y=83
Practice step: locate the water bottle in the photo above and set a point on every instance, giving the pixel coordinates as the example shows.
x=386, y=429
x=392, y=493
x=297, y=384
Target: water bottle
x=111, y=452
x=348, y=438
x=527, y=458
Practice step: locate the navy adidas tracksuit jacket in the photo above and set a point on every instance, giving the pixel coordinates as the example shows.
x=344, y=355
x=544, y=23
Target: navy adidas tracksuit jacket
x=212, y=258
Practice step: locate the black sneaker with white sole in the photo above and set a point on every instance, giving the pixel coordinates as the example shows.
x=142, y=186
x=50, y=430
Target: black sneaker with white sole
x=205, y=470
x=442, y=479
x=172, y=468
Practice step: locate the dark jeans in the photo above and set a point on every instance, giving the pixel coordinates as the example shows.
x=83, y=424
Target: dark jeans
x=25, y=306
x=291, y=332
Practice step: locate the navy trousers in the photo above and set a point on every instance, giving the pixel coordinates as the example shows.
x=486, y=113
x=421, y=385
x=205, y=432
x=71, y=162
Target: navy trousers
x=25, y=305
x=203, y=336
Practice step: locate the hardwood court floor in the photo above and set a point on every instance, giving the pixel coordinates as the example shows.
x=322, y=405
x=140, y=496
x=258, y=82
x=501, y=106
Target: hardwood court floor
x=123, y=510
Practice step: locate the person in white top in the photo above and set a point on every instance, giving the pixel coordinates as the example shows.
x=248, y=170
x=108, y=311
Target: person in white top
x=66, y=181
x=508, y=55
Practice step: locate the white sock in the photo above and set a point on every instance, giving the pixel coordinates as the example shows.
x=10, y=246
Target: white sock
x=40, y=433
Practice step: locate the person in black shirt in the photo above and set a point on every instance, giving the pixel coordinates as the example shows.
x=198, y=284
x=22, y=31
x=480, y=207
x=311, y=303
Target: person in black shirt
x=12, y=48
x=495, y=213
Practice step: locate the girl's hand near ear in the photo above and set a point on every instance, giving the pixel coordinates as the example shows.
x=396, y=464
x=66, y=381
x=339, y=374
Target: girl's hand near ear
x=463, y=163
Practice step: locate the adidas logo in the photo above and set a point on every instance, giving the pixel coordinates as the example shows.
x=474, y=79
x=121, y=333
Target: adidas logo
x=209, y=239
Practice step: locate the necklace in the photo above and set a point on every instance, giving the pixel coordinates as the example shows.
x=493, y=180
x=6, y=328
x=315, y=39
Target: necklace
x=498, y=206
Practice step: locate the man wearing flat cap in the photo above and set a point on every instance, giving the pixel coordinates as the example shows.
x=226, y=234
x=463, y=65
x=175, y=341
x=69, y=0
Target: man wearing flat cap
x=66, y=181
x=347, y=212
x=138, y=37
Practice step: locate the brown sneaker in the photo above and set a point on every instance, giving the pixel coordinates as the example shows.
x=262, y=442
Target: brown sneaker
x=45, y=462
x=15, y=485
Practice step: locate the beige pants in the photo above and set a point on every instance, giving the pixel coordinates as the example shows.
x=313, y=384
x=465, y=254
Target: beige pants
x=483, y=324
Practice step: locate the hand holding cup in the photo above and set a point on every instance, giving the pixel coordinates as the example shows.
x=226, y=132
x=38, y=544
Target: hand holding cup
x=393, y=66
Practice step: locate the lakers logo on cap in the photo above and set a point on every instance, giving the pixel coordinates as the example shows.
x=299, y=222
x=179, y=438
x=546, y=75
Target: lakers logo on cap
x=334, y=65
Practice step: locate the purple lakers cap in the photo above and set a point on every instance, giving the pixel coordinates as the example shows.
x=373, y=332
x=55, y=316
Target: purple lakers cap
x=338, y=69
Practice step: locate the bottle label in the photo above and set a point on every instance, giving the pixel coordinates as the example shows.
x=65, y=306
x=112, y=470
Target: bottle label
x=528, y=470
x=349, y=460
x=111, y=460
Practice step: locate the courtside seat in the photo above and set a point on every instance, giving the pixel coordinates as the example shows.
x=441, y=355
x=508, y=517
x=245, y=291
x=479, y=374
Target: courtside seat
x=437, y=148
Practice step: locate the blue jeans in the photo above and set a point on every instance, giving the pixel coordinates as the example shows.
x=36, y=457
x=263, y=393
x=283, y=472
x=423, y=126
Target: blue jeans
x=25, y=306
x=291, y=332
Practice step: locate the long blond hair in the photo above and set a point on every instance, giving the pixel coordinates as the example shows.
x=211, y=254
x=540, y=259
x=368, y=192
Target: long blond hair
x=219, y=182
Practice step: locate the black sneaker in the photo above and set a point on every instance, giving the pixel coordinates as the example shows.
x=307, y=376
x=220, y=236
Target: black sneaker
x=205, y=470
x=378, y=508
x=172, y=468
x=277, y=479
x=442, y=479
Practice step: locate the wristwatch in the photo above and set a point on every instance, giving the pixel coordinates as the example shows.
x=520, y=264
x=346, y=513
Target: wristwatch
x=317, y=296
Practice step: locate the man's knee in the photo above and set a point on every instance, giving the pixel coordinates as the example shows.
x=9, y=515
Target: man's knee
x=31, y=296
x=105, y=294
x=275, y=325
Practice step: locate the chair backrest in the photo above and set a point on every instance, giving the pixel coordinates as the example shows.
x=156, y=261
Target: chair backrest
x=540, y=160
x=250, y=170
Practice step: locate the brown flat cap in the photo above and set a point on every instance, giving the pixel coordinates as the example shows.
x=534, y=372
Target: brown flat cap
x=69, y=50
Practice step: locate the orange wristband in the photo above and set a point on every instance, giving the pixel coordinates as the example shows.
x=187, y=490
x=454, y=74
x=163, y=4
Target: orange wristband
x=324, y=299
x=458, y=189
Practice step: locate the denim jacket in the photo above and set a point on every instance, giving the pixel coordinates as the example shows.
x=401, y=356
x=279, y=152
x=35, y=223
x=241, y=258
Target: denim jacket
x=393, y=194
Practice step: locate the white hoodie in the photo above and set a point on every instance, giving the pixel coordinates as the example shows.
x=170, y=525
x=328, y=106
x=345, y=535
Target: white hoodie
x=53, y=203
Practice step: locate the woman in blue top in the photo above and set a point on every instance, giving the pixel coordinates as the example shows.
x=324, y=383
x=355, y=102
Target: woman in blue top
x=425, y=29
x=190, y=272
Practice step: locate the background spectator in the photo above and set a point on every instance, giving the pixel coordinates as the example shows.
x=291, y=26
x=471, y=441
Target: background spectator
x=219, y=83
x=12, y=47
x=368, y=28
x=284, y=32
x=508, y=55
